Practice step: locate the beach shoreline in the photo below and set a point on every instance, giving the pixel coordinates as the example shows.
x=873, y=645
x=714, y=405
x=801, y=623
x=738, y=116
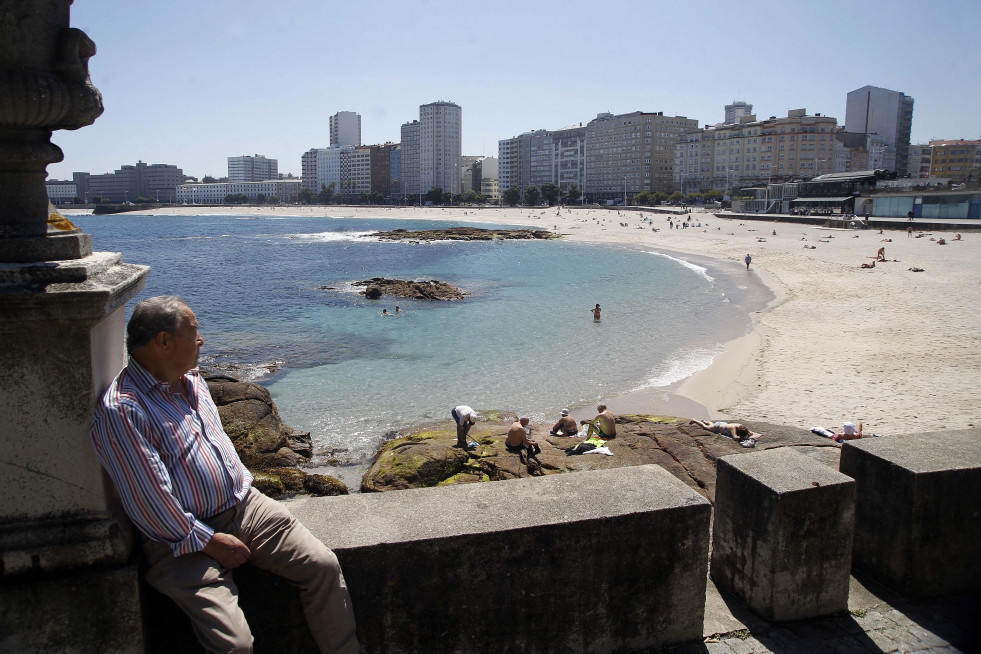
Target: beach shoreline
x=885, y=346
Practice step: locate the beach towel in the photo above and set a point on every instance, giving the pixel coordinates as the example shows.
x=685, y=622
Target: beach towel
x=591, y=445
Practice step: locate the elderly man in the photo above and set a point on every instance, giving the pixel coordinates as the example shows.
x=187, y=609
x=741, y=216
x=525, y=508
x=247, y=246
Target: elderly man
x=158, y=435
x=604, y=425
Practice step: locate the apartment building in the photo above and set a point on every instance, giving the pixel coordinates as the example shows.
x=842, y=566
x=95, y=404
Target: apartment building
x=410, y=159
x=874, y=110
x=920, y=156
x=345, y=129
x=725, y=156
x=956, y=160
x=152, y=182
x=630, y=153
x=255, y=168
x=355, y=176
x=736, y=110
x=321, y=167
x=216, y=192
x=543, y=156
x=440, y=146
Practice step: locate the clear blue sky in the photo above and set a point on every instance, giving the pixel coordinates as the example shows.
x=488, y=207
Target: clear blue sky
x=192, y=82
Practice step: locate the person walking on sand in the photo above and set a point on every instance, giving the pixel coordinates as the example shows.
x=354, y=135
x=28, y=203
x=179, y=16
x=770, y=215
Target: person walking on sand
x=465, y=418
x=596, y=313
x=748, y=260
x=603, y=425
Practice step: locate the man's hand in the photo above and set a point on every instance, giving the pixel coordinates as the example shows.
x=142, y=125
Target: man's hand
x=227, y=550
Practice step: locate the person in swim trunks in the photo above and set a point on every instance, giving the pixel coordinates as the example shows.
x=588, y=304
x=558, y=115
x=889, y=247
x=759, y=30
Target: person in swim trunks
x=733, y=430
x=566, y=425
x=517, y=441
x=603, y=425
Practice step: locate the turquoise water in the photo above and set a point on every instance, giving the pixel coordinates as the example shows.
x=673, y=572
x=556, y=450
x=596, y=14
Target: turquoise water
x=524, y=339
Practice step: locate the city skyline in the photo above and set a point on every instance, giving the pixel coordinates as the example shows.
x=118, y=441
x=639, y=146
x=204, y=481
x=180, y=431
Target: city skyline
x=191, y=85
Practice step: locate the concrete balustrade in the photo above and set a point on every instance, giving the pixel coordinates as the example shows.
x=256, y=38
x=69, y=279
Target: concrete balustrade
x=918, y=511
x=611, y=560
x=782, y=539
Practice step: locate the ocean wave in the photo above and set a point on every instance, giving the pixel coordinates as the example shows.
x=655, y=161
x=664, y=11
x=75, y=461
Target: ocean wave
x=687, y=264
x=680, y=367
x=327, y=237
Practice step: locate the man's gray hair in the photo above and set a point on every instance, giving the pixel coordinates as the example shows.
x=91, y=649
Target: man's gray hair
x=163, y=313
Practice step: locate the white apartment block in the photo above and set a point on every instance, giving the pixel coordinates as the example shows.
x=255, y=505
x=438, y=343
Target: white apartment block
x=355, y=172
x=728, y=156
x=215, y=193
x=345, y=129
x=737, y=110
x=61, y=191
x=920, y=158
x=255, y=168
x=440, y=146
x=321, y=167
x=543, y=156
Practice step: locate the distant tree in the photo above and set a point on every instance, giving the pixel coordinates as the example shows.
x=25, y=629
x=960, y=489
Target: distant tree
x=434, y=195
x=376, y=198
x=714, y=194
x=208, y=179
x=260, y=199
x=676, y=197
x=457, y=198
x=274, y=199
x=550, y=193
x=531, y=195
x=326, y=193
x=141, y=200
x=470, y=197
x=512, y=196
x=660, y=196
x=480, y=199
x=76, y=200
x=644, y=199
x=305, y=196
x=573, y=194
x=363, y=198
x=98, y=200
x=447, y=198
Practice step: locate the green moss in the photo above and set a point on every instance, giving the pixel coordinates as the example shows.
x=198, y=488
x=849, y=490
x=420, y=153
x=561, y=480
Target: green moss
x=269, y=485
x=660, y=420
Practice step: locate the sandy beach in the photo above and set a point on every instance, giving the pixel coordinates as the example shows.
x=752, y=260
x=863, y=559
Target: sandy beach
x=895, y=349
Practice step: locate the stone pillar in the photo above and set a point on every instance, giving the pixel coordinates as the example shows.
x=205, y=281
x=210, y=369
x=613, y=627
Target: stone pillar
x=64, y=550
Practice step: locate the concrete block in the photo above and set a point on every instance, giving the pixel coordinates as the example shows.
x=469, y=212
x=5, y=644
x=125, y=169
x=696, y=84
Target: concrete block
x=610, y=560
x=918, y=510
x=783, y=532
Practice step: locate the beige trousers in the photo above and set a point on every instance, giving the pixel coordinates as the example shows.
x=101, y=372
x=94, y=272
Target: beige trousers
x=206, y=592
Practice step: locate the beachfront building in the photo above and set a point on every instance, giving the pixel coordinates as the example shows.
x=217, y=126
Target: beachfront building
x=889, y=114
x=61, y=191
x=255, y=168
x=958, y=161
x=345, y=129
x=440, y=146
x=217, y=192
x=630, y=153
x=410, y=162
x=129, y=183
x=321, y=167
x=468, y=163
x=355, y=176
x=395, y=192
x=724, y=156
x=737, y=110
x=920, y=156
x=543, y=156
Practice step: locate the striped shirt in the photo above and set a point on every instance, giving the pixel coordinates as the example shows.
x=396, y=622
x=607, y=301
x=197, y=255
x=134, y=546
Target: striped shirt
x=171, y=460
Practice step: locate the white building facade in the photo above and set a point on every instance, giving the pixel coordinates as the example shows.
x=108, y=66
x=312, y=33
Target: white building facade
x=61, y=191
x=255, y=168
x=345, y=129
x=440, y=146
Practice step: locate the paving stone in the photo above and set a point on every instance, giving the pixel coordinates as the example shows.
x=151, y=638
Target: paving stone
x=845, y=645
x=883, y=640
x=721, y=647
x=872, y=621
x=928, y=638
x=745, y=646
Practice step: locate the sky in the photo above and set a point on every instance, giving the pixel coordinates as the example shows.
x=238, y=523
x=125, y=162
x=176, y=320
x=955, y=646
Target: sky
x=193, y=82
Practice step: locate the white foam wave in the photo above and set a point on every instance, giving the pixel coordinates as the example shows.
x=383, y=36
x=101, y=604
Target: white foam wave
x=687, y=264
x=683, y=366
x=325, y=237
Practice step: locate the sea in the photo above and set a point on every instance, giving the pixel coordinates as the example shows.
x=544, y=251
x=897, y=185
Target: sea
x=276, y=304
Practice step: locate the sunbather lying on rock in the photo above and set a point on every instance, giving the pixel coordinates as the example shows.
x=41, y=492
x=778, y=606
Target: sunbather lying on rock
x=733, y=430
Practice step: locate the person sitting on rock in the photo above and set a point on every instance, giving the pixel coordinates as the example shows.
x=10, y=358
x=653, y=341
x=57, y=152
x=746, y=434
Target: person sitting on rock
x=604, y=425
x=517, y=442
x=566, y=426
x=733, y=430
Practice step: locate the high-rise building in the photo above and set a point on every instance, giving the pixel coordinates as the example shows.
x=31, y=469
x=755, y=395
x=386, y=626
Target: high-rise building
x=255, y=168
x=345, y=129
x=410, y=161
x=737, y=110
x=440, y=146
x=630, y=153
x=543, y=156
x=321, y=167
x=874, y=110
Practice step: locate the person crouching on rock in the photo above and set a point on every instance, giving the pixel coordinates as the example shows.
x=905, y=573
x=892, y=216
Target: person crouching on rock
x=566, y=426
x=465, y=418
x=517, y=442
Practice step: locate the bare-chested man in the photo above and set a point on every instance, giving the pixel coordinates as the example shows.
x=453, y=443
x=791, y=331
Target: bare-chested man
x=517, y=441
x=604, y=425
x=567, y=425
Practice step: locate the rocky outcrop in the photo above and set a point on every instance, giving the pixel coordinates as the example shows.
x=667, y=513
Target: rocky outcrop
x=270, y=449
x=426, y=289
x=464, y=234
x=426, y=456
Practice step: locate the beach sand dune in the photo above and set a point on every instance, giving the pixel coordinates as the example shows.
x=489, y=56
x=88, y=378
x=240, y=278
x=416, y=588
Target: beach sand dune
x=895, y=349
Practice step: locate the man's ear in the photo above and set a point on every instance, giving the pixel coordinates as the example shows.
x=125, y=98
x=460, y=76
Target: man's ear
x=162, y=339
